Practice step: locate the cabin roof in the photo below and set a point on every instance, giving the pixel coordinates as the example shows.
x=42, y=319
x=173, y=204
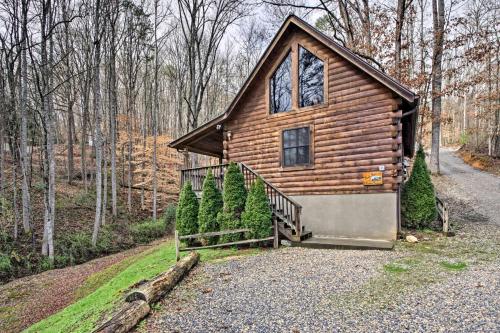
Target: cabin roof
x=207, y=139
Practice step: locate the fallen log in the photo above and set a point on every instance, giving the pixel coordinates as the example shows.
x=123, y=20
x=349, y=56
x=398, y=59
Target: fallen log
x=126, y=318
x=153, y=290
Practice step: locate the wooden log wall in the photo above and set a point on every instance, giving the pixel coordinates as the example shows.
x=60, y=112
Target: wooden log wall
x=357, y=130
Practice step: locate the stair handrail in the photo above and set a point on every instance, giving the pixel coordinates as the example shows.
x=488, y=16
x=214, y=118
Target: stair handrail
x=297, y=208
x=295, y=203
x=281, y=204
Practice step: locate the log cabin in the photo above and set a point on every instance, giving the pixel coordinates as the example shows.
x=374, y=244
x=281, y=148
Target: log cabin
x=325, y=130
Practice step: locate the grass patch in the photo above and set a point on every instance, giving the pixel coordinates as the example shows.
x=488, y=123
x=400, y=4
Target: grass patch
x=420, y=265
x=395, y=267
x=454, y=266
x=104, y=290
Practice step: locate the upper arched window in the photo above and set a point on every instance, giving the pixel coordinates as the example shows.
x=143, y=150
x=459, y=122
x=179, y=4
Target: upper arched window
x=297, y=80
x=311, y=79
x=281, y=86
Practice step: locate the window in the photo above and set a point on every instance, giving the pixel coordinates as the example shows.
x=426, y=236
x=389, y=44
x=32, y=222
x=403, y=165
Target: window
x=296, y=146
x=310, y=78
x=281, y=86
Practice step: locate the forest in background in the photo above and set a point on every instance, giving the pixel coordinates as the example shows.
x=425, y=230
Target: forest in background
x=92, y=91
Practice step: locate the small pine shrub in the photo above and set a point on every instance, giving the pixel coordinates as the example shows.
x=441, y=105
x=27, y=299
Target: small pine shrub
x=234, y=197
x=148, y=231
x=169, y=218
x=418, y=200
x=210, y=207
x=187, y=211
x=257, y=215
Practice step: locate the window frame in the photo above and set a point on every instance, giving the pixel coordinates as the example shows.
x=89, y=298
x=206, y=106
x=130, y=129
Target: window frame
x=325, y=78
x=310, y=164
x=293, y=47
x=273, y=71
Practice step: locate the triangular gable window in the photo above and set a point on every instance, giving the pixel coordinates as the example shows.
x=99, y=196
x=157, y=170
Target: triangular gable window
x=311, y=79
x=281, y=86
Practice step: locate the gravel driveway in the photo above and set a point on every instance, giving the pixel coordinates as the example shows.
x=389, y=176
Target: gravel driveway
x=441, y=284
x=480, y=188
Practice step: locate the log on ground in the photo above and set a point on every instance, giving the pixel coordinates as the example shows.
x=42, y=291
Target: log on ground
x=126, y=318
x=153, y=290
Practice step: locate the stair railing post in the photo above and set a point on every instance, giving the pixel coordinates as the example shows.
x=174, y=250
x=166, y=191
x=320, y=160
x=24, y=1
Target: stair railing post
x=275, y=243
x=297, y=221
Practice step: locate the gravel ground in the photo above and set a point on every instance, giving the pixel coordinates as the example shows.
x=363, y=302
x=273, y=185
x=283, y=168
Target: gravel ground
x=307, y=290
x=440, y=284
x=480, y=189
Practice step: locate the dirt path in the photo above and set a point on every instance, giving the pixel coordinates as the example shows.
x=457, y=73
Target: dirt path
x=28, y=300
x=480, y=189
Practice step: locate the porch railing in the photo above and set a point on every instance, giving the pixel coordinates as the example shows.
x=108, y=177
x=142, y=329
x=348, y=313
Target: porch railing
x=197, y=176
x=282, y=206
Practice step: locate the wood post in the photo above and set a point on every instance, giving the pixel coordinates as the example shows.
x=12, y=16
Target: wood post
x=177, y=257
x=275, y=231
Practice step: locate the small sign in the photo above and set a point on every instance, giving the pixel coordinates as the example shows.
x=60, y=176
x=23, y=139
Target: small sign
x=373, y=178
x=381, y=167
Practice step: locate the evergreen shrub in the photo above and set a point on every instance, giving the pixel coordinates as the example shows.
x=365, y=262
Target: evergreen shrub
x=234, y=198
x=257, y=215
x=418, y=199
x=210, y=207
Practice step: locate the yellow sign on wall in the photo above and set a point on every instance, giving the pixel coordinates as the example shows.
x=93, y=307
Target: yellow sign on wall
x=373, y=178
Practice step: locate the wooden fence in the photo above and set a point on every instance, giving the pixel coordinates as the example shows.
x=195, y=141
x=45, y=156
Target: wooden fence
x=178, y=239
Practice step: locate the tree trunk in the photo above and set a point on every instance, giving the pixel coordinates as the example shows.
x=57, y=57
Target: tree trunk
x=85, y=117
x=155, y=112
x=438, y=23
x=113, y=106
x=98, y=120
x=105, y=184
x=49, y=130
x=26, y=201
x=400, y=15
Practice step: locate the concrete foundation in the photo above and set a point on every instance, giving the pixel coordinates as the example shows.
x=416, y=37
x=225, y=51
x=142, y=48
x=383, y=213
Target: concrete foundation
x=367, y=216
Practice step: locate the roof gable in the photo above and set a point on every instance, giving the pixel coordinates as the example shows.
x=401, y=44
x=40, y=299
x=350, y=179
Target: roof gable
x=293, y=22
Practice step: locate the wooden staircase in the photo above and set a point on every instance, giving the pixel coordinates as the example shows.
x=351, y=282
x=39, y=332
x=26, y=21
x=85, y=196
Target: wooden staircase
x=285, y=210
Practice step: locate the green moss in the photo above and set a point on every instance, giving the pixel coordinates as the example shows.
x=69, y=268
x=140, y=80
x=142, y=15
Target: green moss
x=455, y=266
x=395, y=267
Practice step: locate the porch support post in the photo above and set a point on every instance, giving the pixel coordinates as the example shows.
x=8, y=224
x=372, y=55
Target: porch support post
x=225, y=155
x=185, y=154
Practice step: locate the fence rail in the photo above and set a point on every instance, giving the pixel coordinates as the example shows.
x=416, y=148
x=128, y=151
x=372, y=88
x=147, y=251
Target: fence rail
x=178, y=239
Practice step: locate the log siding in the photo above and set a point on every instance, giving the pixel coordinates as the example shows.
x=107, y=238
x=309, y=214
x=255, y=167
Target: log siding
x=356, y=129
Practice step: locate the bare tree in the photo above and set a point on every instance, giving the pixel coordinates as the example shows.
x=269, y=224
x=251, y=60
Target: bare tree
x=26, y=202
x=204, y=24
x=98, y=120
x=438, y=24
